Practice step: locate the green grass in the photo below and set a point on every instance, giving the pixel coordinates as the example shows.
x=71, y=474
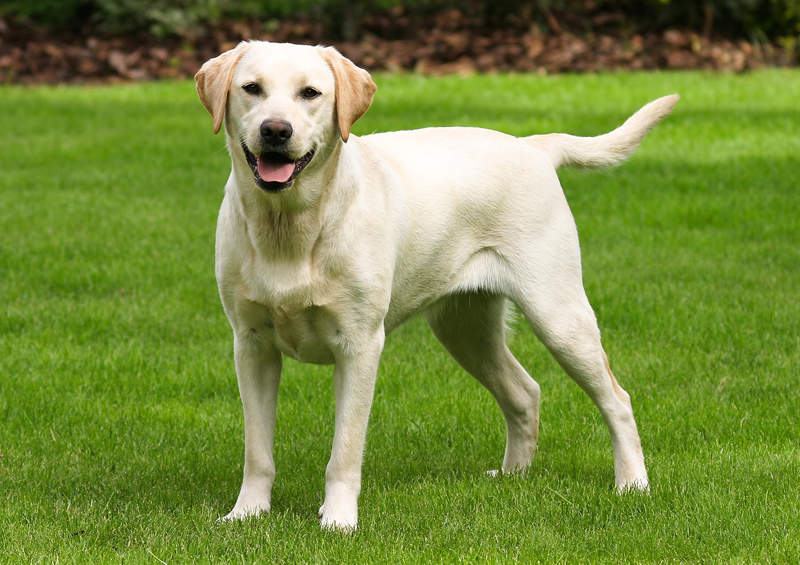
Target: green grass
x=121, y=435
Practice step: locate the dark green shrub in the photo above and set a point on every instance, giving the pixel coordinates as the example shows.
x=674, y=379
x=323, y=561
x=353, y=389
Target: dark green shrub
x=751, y=19
x=49, y=12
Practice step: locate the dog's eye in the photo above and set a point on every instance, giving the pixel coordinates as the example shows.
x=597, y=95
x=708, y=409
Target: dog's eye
x=251, y=88
x=309, y=93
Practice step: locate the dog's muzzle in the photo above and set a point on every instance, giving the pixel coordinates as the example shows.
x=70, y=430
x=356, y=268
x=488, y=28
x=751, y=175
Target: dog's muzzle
x=275, y=171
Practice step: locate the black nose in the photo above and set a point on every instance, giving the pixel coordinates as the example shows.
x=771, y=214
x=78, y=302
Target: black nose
x=276, y=131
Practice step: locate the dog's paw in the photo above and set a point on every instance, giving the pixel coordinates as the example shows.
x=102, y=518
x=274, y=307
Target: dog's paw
x=343, y=520
x=339, y=512
x=519, y=471
x=635, y=485
x=242, y=511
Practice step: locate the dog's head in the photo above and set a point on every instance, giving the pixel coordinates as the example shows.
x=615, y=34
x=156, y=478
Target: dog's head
x=283, y=105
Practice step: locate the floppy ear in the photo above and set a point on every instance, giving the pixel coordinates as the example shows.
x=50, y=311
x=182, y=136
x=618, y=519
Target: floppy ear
x=354, y=89
x=213, y=81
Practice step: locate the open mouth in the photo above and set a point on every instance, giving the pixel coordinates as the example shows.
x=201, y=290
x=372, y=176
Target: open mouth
x=273, y=171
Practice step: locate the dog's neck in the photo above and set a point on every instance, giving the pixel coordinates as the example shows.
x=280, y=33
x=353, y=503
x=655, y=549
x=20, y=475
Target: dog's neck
x=287, y=225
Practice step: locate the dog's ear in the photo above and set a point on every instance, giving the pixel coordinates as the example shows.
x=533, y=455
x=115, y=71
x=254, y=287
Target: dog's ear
x=213, y=81
x=354, y=89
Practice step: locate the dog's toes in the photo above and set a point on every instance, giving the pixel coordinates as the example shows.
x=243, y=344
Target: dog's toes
x=639, y=485
x=494, y=473
x=242, y=512
x=342, y=521
x=344, y=527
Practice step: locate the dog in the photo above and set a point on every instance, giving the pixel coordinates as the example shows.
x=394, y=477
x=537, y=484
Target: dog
x=327, y=241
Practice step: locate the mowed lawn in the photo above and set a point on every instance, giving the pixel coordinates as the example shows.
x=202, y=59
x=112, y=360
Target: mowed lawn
x=120, y=423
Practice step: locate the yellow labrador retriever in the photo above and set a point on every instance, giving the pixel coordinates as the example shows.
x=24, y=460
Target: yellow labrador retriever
x=327, y=241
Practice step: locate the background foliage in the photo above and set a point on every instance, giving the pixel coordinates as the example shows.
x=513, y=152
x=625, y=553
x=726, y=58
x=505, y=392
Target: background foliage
x=749, y=19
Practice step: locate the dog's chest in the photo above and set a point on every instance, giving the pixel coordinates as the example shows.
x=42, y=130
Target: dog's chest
x=285, y=302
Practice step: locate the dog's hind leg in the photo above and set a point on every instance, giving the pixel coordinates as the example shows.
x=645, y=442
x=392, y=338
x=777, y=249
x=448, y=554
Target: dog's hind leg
x=547, y=287
x=471, y=327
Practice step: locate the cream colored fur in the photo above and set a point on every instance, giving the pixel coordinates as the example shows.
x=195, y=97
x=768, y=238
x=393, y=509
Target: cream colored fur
x=451, y=222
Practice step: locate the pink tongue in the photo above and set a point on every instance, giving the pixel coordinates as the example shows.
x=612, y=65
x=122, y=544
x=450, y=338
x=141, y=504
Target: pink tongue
x=275, y=172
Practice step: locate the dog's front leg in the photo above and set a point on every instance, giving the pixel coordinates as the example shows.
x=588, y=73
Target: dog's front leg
x=354, y=383
x=258, y=369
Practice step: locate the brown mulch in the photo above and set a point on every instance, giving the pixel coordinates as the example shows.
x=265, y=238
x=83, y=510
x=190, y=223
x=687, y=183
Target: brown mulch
x=445, y=42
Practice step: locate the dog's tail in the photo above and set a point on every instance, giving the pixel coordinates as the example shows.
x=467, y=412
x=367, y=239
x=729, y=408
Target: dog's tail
x=609, y=149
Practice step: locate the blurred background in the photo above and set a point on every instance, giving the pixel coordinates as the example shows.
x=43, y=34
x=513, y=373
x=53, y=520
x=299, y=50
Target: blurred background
x=53, y=41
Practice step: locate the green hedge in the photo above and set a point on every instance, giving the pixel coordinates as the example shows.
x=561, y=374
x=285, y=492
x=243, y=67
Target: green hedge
x=751, y=19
